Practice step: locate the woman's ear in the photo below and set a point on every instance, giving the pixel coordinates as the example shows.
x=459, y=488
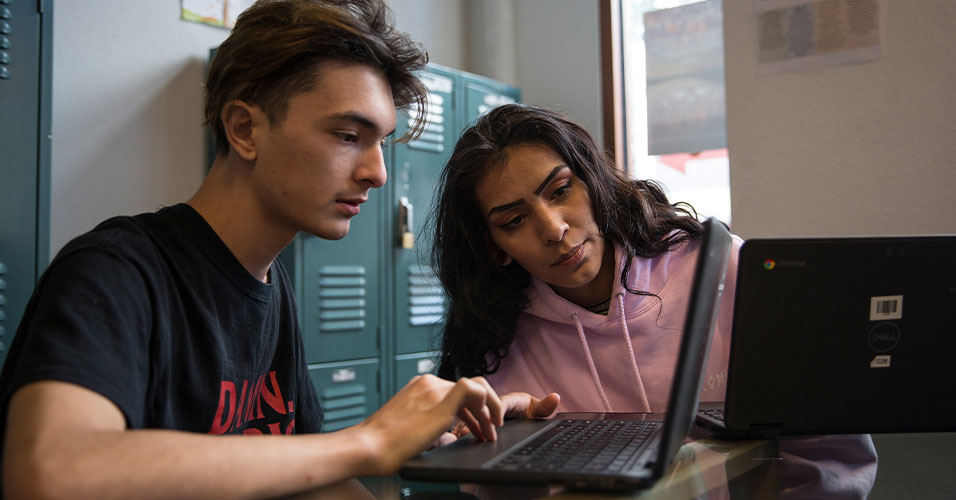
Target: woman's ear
x=501, y=257
x=239, y=120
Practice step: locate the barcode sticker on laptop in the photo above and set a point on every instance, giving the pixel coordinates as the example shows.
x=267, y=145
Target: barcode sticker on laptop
x=886, y=307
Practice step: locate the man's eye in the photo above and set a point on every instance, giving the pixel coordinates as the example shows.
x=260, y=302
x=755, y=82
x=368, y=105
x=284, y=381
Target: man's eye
x=346, y=137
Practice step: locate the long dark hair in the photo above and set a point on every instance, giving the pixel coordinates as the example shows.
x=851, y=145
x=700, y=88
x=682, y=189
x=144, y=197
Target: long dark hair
x=486, y=298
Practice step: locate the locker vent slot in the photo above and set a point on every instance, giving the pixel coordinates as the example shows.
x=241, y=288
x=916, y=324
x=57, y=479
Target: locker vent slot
x=426, y=299
x=342, y=301
x=6, y=16
x=492, y=101
x=344, y=405
x=433, y=137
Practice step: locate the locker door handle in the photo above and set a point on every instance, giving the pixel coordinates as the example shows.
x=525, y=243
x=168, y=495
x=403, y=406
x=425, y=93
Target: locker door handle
x=405, y=223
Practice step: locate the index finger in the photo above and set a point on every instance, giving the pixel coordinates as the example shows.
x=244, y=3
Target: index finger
x=495, y=406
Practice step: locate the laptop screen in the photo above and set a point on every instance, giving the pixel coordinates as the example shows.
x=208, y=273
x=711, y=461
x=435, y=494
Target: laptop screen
x=698, y=329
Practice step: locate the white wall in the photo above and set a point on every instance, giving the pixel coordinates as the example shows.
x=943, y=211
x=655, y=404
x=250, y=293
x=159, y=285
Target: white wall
x=552, y=55
x=438, y=24
x=490, y=39
x=550, y=49
x=127, y=109
x=861, y=149
x=558, y=58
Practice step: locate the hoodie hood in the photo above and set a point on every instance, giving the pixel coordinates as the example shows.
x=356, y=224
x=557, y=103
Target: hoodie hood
x=651, y=275
x=616, y=362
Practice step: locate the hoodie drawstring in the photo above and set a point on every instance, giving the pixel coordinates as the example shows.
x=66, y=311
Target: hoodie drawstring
x=630, y=354
x=587, y=354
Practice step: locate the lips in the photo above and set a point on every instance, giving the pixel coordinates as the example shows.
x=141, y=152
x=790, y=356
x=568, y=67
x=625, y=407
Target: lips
x=350, y=206
x=573, y=255
x=353, y=201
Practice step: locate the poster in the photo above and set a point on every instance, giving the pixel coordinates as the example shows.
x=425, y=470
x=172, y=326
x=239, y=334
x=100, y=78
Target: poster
x=220, y=13
x=799, y=35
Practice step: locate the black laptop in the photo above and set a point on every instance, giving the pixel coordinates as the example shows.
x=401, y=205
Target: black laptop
x=598, y=451
x=841, y=335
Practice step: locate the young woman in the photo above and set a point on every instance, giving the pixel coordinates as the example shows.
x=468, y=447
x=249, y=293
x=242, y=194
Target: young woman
x=563, y=274
x=566, y=276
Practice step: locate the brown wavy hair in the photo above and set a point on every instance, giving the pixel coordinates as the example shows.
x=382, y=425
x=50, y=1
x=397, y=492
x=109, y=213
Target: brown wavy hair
x=277, y=48
x=486, y=299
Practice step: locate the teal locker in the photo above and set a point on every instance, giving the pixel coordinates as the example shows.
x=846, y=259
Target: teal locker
x=339, y=286
x=348, y=391
x=418, y=301
x=410, y=365
x=26, y=33
x=457, y=99
x=483, y=95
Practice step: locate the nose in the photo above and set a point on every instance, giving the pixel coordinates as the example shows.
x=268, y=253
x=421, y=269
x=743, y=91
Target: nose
x=553, y=226
x=371, y=170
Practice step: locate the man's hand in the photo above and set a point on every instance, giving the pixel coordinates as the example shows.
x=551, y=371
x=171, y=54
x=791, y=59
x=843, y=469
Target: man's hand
x=418, y=414
x=516, y=405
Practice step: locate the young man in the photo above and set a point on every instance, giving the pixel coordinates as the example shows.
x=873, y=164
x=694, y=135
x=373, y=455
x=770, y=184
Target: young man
x=150, y=333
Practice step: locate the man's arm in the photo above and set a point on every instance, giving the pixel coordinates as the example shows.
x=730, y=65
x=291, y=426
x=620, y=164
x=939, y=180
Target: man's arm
x=65, y=441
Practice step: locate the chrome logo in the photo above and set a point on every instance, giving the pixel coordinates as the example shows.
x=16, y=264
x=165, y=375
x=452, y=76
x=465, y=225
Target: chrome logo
x=769, y=264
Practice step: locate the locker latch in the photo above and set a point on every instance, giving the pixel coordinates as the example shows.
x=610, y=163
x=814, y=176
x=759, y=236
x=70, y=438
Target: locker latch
x=405, y=223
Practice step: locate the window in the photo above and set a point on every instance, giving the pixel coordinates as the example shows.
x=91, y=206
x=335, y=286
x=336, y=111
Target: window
x=672, y=99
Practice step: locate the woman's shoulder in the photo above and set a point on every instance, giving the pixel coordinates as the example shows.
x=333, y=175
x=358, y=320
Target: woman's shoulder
x=653, y=273
x=676, y=264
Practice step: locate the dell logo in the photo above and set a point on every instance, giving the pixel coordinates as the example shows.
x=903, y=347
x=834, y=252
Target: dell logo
x=884, y=337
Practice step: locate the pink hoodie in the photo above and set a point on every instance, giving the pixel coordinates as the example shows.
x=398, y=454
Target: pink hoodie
x=622, y=361
x=625, y=362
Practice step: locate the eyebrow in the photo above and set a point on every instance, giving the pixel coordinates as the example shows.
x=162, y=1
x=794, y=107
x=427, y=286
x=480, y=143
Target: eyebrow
x=360, y=120
x=544, y=183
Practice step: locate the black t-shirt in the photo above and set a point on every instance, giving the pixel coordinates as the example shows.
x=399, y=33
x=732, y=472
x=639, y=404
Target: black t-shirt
x=156, y=314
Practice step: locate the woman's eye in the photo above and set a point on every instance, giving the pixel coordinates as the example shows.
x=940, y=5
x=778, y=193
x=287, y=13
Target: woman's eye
x=562, y=190
x=512, y=222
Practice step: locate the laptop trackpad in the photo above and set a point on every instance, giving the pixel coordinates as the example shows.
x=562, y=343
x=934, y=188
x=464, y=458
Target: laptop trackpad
x=467, y=452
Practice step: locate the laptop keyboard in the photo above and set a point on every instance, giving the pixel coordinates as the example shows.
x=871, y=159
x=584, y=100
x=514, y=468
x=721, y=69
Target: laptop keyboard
x=714, y=413
x=582, y=446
